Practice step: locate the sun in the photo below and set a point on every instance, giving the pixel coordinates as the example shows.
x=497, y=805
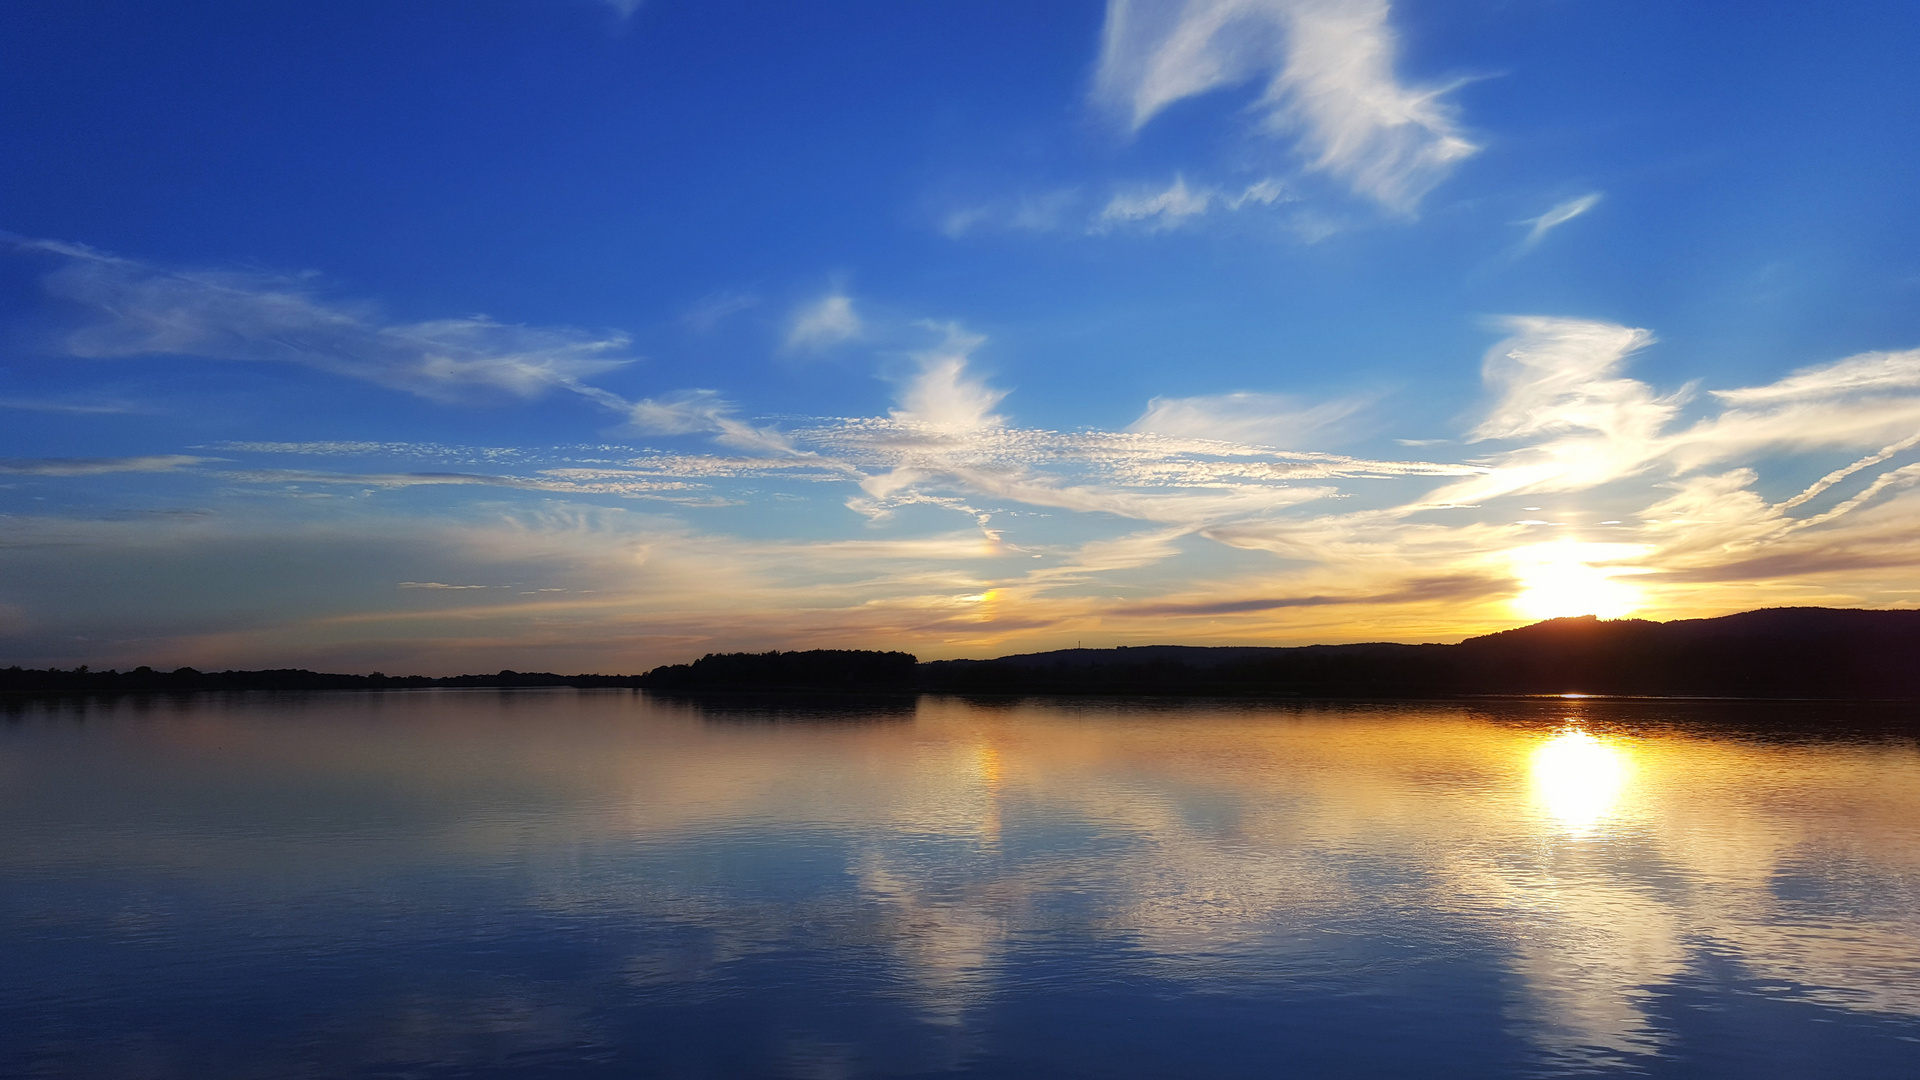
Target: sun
x=1561, y=579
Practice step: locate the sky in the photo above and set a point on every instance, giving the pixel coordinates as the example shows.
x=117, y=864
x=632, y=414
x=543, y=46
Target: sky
x=588, y=335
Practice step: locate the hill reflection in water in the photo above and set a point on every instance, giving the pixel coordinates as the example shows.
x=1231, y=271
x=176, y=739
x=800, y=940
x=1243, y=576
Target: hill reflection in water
x=587, y=882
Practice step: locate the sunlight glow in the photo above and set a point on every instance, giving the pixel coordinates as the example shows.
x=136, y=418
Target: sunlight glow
x=1560, y=579
x=1579, y=778
x=988, y=604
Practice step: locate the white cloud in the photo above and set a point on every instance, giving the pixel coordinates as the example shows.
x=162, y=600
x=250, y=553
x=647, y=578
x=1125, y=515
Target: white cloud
x=1254, y=419
x=1177, y=203
x=827, y=321
x=1164, y=209
x=1329, y=68
x=1819, y=486
x=942, y=397
x=97, y=466
x=141, y=310
x=1561, y=391
x=715, y=309
x=78, y=408
x=704, y=412
x=1556, y=375
x=1857, y=401
x=623, y=486
x=946, y=446
x=1042, y=212
x=1565, y=424
x=1560, y=215
x=1875, y=372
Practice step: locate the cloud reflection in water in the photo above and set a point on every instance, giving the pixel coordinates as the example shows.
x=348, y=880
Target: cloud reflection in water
x=1518, y=885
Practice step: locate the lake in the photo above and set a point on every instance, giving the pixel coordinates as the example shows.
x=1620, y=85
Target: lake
x=604, y=883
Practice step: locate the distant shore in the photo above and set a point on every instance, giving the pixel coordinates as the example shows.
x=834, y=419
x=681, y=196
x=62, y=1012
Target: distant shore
x=1776, y=653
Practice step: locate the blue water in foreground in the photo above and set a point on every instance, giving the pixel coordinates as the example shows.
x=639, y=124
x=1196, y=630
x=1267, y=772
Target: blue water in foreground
x=571, y=883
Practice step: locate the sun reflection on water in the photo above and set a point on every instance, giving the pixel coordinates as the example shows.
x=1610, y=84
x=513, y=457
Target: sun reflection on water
x=1579, y=778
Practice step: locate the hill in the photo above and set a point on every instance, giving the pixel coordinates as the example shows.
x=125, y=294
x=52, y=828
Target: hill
x=1773, y=653
x=1777, y=652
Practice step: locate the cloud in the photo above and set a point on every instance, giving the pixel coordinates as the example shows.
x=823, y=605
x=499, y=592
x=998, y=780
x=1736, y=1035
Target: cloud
x=75, y=408
x=1329, y=72
x=626, y=487
x=154, y=463
x=1177, y=204
x=1455, y=587
x=827, y=321
x=942, y=397
x=1560, y=215
x=1858, y=401
x=705, y=412
x=1821, y=485
x=439, y=585
x=1209, y=508
x=713, y=310
x=1875, y=372
x=1043, y=212
x=1150, y=208
x=1561, y=392
x=1254, y=419
x=140, y=310
x=361, y=448
x=946, y=446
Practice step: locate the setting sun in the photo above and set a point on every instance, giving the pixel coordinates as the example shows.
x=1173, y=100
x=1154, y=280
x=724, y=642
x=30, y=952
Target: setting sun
x=1561, y=579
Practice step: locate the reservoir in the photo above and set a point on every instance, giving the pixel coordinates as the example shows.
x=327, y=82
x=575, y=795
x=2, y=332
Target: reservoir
x=615, y=884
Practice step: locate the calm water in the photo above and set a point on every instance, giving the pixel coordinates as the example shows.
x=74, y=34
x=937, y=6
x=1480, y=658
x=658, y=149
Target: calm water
x=598, y=883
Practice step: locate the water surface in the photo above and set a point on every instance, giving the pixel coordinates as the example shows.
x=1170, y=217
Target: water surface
x=577, y=883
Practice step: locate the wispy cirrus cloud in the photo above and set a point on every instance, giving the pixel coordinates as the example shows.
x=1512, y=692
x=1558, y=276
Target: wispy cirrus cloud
x=944, y=396
x=76, y=408
x=947, y=445
x=689, y=412
x=1560, y=215
x=1677, y=494
x=1330, y=81
x=627, y=485
x=1178, y=204
x=1032, y=212
x=151, y=463
x=1127, y=208
x=1560, y=393
x=1353, y=542
x=136, y=309
x=822, y=323
x=716, y=308
x=1251, y=418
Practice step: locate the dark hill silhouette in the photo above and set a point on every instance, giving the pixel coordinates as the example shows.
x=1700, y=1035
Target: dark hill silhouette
x=1777, y=652
x=814, y=669
x=82, y=680
x=1773, y=653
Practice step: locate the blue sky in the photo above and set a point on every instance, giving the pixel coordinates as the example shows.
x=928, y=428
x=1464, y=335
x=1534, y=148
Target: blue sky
x=577, y=335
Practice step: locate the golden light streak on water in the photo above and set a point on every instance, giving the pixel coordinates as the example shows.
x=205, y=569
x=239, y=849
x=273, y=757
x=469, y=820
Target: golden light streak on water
x=1579, y=778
